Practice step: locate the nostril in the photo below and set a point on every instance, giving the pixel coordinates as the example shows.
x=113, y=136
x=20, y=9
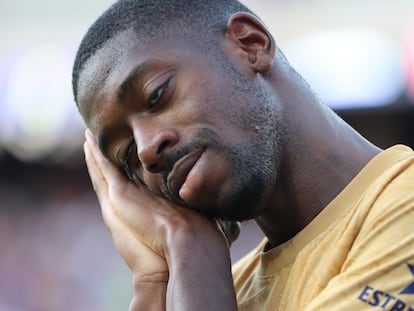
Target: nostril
x=162, y=146
x=153, y=167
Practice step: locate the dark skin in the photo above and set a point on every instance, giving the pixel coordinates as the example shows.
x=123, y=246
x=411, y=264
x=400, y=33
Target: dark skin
x=163, y=227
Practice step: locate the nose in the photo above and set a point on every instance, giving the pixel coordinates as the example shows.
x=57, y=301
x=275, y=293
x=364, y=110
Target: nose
x=153, y=140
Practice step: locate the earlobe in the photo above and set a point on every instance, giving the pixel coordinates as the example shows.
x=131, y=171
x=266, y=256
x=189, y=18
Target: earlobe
x=254, y=41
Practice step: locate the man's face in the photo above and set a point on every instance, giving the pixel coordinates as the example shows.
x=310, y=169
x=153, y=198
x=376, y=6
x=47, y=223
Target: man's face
x=172, y=118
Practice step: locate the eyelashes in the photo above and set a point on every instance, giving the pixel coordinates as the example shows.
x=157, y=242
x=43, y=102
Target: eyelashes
x=156, y=96
x=125, y=163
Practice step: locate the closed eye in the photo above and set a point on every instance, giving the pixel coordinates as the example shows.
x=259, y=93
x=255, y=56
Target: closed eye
x=156, y=95
x=126, y=160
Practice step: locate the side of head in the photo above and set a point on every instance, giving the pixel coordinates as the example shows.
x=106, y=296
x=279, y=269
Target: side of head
x=151, y=19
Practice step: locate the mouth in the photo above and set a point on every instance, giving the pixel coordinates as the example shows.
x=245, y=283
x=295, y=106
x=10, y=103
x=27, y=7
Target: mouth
x=181, y=169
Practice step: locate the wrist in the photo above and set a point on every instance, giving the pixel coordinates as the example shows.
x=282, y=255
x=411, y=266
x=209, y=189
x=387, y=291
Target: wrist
x=200, y=270
x=150, y=292
x=196, y=244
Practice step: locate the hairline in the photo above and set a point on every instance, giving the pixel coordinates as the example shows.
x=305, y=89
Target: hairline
x=110, y=24
x=214, y=37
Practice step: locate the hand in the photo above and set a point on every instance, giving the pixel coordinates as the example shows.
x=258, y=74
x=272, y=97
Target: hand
x=150, y=270
x=156, y=237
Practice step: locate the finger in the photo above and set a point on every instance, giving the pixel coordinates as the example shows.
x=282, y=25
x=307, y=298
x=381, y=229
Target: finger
x=100, y=185
x=98, y=180
x=110, y=172
x=108, y=183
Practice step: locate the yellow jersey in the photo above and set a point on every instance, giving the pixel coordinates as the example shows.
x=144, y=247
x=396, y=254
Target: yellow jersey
x=357, y=254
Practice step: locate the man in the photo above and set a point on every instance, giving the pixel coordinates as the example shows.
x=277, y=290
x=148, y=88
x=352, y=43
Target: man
x=194, y=116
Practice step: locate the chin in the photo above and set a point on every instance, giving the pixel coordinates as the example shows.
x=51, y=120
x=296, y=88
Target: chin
x=245, y=204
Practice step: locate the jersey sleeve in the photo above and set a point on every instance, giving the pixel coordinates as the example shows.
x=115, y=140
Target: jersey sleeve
x=378, y=273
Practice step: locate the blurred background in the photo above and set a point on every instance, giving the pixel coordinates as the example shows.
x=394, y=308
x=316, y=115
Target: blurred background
x=55, y=253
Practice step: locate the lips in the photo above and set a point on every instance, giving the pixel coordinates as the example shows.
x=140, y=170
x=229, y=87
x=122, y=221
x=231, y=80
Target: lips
x=180, y=170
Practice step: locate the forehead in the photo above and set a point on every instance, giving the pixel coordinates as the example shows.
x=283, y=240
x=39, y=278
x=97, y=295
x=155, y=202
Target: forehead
x=110, y=65
x=101, y=71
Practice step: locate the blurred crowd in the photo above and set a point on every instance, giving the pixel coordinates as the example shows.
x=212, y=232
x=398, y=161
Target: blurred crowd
x=56, y=253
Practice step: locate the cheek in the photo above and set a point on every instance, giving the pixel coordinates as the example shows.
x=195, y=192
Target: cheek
x=196, y=101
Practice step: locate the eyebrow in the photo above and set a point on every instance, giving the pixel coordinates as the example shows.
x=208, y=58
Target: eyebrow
x=135, y=73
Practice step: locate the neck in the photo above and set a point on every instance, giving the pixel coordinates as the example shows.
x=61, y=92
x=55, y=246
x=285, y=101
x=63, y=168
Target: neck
x=320, y=156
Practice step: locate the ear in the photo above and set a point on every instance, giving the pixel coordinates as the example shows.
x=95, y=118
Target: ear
x=256, y=45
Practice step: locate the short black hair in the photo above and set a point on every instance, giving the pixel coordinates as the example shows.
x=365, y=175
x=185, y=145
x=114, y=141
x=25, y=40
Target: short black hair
x=153, y=18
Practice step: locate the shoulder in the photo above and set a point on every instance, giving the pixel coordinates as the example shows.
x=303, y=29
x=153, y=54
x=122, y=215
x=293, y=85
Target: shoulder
x=248, y=265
